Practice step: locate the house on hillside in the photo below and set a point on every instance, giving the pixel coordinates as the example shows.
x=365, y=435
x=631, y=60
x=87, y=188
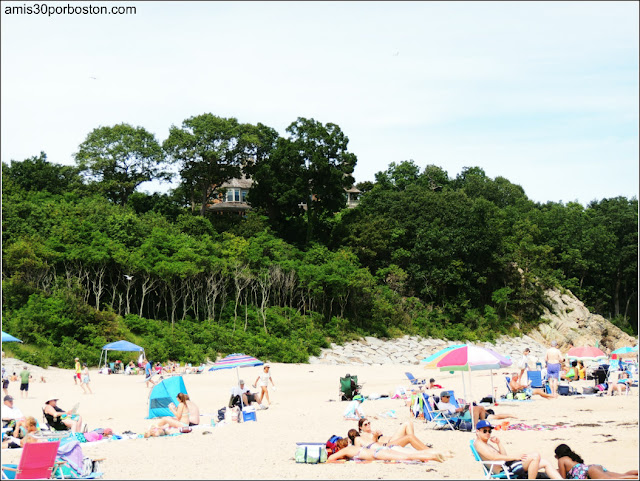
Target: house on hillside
x=233, y=197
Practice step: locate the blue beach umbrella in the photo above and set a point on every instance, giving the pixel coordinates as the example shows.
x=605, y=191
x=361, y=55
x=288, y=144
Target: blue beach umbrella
x=621, y=350
x=9, y=338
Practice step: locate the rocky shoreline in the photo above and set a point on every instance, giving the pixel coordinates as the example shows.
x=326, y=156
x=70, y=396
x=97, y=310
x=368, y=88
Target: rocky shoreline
x=410, y=350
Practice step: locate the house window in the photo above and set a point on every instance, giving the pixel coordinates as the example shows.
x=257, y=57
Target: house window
x=244, y=196
x=233, y=195
x=236, y=193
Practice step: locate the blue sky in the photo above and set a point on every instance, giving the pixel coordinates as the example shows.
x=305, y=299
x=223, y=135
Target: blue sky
x=542, y=93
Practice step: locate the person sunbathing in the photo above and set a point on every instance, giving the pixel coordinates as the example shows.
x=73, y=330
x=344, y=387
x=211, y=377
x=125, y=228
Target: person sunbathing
x=620, y=385
x=163, y=427
x=358, y=441
x=347, y=451
x=517, y=387
x=59, y=419
x=405, y=434
x=519, y=465
x=572, y=466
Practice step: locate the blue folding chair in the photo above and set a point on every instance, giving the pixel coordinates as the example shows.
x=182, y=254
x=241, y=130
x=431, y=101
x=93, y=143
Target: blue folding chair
x=414, y=380
x=487, y=466
x=441, y=419
x=536, y=381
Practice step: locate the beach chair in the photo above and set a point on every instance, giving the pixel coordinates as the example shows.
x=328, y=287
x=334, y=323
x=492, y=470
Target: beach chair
x=509, y=391
x=349, y=387
x=487, y=466
x=536, y=381
x=37, y=462
x=72, y=464
x=435, y=418
x=413, y=380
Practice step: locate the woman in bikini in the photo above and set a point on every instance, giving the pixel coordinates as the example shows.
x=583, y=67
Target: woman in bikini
x=358, y=441
x=572, y=466
x=181, y=413
x=346, y=451
x=403, y=436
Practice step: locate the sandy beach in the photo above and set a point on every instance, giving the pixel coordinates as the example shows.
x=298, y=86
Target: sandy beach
x=305, y=408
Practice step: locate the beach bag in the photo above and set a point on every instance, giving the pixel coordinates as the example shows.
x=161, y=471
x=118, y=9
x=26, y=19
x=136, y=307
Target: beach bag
x=602, y=387
x=221, y=413
x=331, y=444
x=311, y=453
x=589, y=390
x=463, y=425
x=521, y=396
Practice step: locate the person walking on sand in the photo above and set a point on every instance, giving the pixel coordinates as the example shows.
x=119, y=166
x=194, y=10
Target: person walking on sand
x=523, y=364
x=24, y=382
x=77, y=377
x=85, y=379
x=263, y=381
x=554, y=360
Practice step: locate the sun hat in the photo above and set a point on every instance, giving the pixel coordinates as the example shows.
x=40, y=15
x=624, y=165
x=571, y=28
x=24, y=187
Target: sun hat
x=240, y=381
x=77, y=359
x=483, y=423
x=52, y=398
x=267, y=365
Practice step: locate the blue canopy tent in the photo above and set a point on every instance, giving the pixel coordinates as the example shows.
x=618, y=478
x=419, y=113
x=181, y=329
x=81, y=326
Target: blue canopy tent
x=118, y=346
x=163, y=394
x=9, y=338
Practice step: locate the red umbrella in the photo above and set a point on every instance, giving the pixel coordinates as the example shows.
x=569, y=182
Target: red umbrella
x=586, y=353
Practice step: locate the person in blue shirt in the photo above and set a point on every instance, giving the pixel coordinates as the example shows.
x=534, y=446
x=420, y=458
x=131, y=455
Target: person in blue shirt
x=148, y=373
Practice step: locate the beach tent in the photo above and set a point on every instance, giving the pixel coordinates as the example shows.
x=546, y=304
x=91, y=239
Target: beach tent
x=164, y=393
x=118, y=346
x=9, y=338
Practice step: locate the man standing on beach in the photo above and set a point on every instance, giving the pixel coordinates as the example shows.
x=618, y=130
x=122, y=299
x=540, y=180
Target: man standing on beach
x=148, y=373
x=554, y=360
x=24, y=382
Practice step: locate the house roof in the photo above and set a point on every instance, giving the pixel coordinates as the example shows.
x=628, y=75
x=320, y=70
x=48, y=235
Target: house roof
x=238, y=183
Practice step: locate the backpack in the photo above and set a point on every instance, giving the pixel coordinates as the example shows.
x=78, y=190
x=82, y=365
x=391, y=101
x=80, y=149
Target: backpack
x=331, y=444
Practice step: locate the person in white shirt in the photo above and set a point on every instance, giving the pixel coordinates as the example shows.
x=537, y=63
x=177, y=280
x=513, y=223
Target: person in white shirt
x=523, y=364
x=479, y=412
x=12, y=416
x=354, y=409
x=263, y=381
x=247, y=397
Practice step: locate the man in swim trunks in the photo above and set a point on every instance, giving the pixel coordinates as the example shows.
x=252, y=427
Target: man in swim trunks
x=519, y=465
x=554, y=360
x=516, y=386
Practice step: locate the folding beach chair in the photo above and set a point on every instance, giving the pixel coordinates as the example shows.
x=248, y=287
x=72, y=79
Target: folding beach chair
x=536, y=381
x=510, y=392
x=414, y=381
x=487, y=466
x=37, y=462
x=349, y=387
x=72, y=464
x=435, y=418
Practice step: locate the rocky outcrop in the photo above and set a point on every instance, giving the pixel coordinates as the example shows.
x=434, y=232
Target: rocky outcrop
x=568, y=322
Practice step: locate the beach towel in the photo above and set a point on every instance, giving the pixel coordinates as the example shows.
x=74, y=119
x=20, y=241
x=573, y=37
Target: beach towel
x=536, y=427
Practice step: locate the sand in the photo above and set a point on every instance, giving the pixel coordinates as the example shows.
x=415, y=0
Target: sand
x=305, y=408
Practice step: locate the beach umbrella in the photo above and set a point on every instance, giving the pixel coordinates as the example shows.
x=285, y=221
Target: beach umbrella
x=621, y=350
x=585, y=353
x=472, y=358
x=236, y=361
x=432, y=360
x=9, y=338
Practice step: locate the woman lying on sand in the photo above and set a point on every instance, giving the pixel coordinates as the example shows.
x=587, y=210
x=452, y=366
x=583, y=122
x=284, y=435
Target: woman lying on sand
x=403, y=436
x=571, y=466
x=358, y=441
x=346, y=451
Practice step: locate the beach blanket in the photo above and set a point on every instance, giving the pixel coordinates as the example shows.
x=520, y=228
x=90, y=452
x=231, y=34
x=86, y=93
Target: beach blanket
x=379, y=461
x=536, y=427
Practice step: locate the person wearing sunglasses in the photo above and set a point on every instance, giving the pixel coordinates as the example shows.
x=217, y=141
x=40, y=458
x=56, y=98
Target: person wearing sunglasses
x=523, y=466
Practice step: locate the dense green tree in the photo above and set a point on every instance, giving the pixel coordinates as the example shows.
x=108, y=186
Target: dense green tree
x=37, y=174
x=120, y=158
x=211, y=150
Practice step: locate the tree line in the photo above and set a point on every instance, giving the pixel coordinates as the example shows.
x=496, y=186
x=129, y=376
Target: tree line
x=88, y=259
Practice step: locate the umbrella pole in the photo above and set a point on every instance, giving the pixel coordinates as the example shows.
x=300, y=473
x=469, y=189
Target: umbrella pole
x=241, y=403
x=494, y=395
x=473, y=425
x=464, y=388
